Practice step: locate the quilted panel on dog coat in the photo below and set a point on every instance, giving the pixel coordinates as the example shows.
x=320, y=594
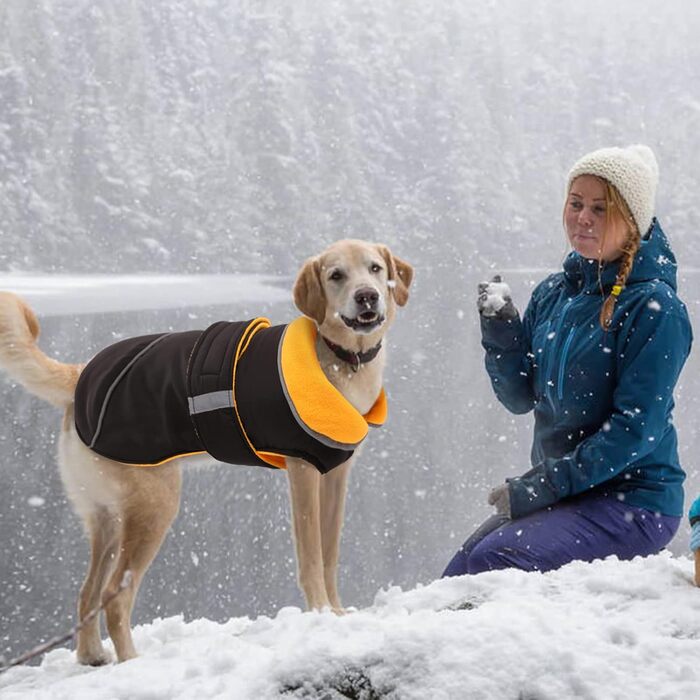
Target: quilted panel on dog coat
x=244, y=392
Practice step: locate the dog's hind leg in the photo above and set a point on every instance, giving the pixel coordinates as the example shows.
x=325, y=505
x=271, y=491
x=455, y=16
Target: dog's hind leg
x=304, y=487
x=333, y=489
x=103, y=533
x=153, y=502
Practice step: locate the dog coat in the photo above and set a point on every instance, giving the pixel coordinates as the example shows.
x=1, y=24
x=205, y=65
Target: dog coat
x=245, y=392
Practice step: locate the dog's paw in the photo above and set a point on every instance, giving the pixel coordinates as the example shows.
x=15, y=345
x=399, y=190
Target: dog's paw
x=96, y=658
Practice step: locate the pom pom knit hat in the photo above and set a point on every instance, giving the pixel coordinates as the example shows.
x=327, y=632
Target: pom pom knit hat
x=634, y=172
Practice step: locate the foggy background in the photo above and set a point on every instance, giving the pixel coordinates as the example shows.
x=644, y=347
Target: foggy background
x=206, y=136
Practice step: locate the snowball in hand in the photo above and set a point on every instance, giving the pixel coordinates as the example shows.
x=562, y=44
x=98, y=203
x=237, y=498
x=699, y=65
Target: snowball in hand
x=496, y=298
x=493, y=296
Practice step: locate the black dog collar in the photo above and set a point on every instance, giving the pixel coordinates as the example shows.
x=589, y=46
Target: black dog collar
x=354, y=359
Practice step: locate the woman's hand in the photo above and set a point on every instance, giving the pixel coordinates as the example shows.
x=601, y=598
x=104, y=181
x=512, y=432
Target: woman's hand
x=499, y=498
x=494, y=300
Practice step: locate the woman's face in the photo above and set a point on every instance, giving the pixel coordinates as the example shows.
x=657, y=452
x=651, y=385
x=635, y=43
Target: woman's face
x=586, y=221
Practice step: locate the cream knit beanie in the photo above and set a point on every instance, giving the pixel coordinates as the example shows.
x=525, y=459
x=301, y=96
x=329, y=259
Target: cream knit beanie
x=633, y=170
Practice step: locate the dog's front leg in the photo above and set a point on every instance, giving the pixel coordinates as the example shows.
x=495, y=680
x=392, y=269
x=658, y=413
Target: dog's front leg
x=333, y=489
x=304, y=487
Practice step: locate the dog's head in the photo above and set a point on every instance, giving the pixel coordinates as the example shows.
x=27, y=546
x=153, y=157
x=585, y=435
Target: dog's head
x=352, y=289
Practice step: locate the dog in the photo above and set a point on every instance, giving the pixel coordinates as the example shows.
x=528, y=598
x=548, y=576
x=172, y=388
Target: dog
x=348, y=296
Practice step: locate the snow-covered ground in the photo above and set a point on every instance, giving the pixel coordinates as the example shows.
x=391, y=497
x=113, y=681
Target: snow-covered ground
x=605, y=631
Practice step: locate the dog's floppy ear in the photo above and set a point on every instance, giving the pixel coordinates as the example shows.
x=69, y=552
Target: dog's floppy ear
x=309, y=296
x=400, y=275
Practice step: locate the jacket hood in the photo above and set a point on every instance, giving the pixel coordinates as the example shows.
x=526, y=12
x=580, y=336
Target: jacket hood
x=654, y=261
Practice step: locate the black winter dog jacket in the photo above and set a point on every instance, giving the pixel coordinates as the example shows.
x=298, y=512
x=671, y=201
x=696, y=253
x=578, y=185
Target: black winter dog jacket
x=245, y=392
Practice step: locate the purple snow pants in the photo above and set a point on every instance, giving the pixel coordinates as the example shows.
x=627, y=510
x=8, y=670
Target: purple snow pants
x=583, y=528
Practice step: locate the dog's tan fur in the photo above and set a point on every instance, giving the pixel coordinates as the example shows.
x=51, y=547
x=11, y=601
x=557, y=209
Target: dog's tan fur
x=127, y=510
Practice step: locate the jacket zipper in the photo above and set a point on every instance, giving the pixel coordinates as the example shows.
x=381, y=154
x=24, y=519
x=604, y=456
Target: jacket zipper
x=562, y=317
x=562, y=365
x=546, y=355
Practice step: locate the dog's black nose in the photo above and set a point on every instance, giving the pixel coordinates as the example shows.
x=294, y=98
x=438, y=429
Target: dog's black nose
x=367, y=297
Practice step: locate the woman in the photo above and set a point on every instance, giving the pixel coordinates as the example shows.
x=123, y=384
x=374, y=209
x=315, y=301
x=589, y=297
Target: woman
x=597, y=355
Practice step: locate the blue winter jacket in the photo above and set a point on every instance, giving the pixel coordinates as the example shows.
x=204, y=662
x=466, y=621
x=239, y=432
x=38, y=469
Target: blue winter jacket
x=602, y=400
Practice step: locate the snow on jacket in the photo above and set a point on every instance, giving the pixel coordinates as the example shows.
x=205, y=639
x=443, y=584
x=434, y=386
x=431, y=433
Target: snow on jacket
x=243, y=391
x=602, y=400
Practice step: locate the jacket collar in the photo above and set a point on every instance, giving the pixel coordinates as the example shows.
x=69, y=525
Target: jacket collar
x=316, y=404
x=654, y=261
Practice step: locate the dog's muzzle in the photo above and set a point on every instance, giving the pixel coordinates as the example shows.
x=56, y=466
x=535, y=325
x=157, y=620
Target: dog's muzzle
x=367, y=315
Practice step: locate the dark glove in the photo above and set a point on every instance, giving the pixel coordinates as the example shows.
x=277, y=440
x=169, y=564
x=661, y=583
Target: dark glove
x=494, y=300
x=499, y=498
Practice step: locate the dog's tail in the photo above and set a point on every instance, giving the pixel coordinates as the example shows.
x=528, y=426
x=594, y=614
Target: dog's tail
x=20, y=357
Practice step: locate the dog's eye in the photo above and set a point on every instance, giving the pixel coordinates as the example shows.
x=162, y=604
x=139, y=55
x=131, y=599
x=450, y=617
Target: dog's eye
x=375, y=268
x=336, y=276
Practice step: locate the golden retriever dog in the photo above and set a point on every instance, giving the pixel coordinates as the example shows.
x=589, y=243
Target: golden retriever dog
x=127, y=491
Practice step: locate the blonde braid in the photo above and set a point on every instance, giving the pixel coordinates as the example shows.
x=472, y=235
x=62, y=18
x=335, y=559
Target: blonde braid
x=616, y=208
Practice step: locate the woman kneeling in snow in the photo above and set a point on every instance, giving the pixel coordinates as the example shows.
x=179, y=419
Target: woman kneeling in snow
x=597, y=355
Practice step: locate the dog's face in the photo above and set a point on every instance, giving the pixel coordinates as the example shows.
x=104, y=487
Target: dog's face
x=352, y=289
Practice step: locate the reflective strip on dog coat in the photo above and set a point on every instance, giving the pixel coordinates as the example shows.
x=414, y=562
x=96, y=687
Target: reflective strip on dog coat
x=245, y=392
